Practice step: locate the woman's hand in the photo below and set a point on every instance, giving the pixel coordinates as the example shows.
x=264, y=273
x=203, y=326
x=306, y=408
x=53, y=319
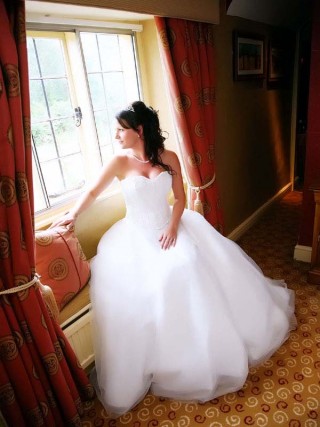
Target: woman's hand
x=67, y=221
x=168, y=238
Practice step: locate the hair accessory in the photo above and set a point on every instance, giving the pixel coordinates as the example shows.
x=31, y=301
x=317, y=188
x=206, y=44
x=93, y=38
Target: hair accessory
x=153, y=110
x=130, y=108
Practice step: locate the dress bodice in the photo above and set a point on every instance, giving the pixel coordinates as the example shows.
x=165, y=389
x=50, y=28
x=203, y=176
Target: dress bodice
x=147, y=199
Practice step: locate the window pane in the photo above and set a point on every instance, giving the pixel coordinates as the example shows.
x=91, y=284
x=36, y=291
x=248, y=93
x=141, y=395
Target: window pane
x=109, y=52
x=90, y=52
x=107, y=152
x=102, y=125
x=66, y=136
x=39, y=200
x=39, y=109
x=115, y=92
x=52, y=175
x=97, y=91
x=73, y=170
x=44, y=142
x=57, y=92
x=51, y=57
x=32, y=60
x=63, y=176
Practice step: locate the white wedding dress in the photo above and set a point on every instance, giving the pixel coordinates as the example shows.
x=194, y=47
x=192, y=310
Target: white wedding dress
x=188, y=321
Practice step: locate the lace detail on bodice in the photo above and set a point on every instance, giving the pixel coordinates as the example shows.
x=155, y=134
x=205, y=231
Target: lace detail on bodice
x=147, y=199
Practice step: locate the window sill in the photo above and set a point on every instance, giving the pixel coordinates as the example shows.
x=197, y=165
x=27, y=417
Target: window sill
x=45, y=218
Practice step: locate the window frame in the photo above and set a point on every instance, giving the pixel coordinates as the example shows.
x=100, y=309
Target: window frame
x=45, y=217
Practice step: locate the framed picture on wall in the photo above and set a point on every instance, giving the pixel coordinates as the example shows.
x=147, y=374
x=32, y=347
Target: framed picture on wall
x=277, y=58
x=248, y=56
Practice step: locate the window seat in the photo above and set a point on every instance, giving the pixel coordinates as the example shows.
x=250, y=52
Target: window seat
x=75, y=317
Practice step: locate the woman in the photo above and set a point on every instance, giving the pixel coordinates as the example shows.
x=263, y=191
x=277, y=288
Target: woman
x=176, y=306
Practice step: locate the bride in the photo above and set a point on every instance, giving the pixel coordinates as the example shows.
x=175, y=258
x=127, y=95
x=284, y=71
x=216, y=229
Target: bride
x=177, y=308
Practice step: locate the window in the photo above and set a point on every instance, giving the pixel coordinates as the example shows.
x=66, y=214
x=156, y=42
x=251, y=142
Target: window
x=78, y=81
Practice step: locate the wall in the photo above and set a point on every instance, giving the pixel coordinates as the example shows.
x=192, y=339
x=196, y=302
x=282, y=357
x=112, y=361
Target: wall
x=312, y=164
x=153, y=81
x=253, y=137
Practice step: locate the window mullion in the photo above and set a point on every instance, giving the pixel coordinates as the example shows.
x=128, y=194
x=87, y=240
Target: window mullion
x=137, y=62
x=40, y=175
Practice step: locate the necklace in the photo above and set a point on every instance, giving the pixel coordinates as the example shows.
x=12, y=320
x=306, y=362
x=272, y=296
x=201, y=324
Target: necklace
x=139, y=160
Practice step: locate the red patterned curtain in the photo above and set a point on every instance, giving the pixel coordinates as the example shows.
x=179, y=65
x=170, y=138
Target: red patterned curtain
x=188, y=55
x=41, y=382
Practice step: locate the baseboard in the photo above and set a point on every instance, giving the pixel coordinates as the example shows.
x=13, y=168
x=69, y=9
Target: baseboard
x=249, y=222
x=302, y=253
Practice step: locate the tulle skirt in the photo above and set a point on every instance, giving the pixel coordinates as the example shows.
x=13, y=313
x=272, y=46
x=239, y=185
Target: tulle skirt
x=187, y=322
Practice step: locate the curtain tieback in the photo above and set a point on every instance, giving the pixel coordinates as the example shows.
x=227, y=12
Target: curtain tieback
x=21, y=287
x=46, y=292
x=197, y=205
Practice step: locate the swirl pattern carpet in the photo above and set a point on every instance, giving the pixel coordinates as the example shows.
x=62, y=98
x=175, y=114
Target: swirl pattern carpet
x=283, y=391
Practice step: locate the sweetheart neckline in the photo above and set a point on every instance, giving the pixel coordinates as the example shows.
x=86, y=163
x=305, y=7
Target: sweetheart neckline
x=142, y=176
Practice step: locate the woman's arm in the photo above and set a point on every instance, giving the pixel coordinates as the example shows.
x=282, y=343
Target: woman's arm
x=109, y=172
x=169, y=236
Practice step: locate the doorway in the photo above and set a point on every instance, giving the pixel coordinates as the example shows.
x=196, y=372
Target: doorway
x=302, y=104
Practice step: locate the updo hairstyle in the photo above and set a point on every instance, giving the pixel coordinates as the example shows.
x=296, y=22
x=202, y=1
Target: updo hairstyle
x=138, y=114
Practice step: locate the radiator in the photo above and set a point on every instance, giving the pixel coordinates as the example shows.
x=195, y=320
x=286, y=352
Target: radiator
x=78, y=332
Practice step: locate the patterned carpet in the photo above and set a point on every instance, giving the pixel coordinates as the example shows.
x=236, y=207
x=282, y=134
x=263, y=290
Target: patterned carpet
x=285, y=390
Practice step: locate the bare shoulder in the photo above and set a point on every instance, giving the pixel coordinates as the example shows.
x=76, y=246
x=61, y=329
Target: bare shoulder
x=117, y=165
x=120, y=157
x=170, y=158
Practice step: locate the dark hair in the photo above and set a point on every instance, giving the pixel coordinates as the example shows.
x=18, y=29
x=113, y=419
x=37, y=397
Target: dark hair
x=137, y=114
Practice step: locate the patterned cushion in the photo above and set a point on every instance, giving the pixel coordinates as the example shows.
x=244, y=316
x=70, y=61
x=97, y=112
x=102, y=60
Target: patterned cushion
x=61, y=263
